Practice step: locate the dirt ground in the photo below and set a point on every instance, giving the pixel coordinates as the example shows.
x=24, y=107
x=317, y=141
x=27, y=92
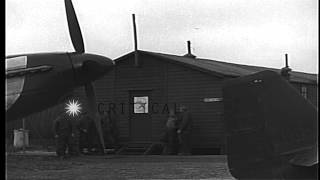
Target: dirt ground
x=116, y=167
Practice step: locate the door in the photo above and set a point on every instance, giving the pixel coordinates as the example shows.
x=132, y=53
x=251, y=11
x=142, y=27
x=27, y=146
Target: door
x=139, y=115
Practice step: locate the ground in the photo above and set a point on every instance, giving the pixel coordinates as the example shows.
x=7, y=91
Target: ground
x=35, y=166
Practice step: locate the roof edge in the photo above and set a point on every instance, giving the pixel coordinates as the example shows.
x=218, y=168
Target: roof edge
x=159, y=55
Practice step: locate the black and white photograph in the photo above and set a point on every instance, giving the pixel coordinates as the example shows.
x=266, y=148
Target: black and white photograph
x=161, y=89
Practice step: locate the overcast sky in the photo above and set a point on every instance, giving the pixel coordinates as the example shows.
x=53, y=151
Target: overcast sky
x=253, y=32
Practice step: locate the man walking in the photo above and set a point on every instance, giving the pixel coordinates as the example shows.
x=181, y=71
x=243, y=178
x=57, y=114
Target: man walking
x=171, y=134
x=184, y=130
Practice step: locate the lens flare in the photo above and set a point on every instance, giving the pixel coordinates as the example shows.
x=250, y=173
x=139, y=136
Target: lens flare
x=73, y=108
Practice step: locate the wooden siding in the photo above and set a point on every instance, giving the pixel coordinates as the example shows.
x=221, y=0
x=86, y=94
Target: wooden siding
x=190, y=87
x=149, y=76
x=173, y=84
x=312, y=92
x=38, y=124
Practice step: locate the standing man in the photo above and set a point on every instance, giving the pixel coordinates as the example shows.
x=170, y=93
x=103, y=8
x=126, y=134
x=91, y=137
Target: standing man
x=62, y=130
x=74, y=140
x=184, y=130
x=106, y=129
x=114, y=128
x=171, y=134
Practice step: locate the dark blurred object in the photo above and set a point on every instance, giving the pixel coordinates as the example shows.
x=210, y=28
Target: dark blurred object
x=272, y=129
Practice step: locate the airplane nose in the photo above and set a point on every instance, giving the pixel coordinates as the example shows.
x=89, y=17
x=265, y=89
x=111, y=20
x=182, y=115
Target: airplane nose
x=89, y=67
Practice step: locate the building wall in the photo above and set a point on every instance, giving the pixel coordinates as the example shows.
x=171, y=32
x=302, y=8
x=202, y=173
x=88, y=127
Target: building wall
x=170, y=84
x=190, y=87
x=38, y=124
x=149, y=76
x=312, y=94
x=173, y=84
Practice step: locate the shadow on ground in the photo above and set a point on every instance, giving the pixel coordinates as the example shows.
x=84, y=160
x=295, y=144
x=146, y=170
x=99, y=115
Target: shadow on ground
x=21, y=166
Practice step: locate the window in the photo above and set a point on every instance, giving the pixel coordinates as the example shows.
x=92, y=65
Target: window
x=141, y=104
x=304, y=91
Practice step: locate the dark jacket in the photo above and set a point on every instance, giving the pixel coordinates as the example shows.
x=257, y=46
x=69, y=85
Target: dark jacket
x=84, y=123
x=75, y=125
x=62, y=125
x=171, y=122
x=185, y=121
x=93, y=134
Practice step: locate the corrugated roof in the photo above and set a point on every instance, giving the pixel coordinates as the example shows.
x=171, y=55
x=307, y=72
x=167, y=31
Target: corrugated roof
x=227, y=69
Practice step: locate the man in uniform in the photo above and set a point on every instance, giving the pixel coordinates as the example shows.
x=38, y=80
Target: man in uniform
x=171, y=140
x=62, y=130
x=74, y=139
x=184, y=130
x=107, y=130
x=114, y=127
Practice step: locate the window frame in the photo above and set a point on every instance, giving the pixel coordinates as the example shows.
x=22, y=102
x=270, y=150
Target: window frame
x=304, y=91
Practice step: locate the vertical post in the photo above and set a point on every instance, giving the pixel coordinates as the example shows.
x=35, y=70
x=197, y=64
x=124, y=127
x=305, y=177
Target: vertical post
x=286, y=55
x=136, y=62
x=189, y=47
x=189, y=54
x=285, y=71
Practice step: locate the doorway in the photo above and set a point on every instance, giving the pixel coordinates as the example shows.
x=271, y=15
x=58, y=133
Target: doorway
x=139, y=115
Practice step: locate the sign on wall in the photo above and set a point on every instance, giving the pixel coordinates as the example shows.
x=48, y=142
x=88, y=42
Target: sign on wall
x=212, y=99
x=141, y=104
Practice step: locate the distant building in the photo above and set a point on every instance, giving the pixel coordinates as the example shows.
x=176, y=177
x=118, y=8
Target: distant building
x=140, y=93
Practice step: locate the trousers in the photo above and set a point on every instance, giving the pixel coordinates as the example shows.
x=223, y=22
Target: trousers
x=62, y=143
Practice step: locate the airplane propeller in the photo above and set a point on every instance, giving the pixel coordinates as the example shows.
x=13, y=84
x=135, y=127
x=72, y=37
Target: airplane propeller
x=87, y=65
x=74, y=28
x=92, y=107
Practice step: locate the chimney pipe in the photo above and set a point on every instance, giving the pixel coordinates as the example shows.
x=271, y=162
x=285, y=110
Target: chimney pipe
x=136, y=60
x=285, y=71
x=189, y=47
x=189, y=51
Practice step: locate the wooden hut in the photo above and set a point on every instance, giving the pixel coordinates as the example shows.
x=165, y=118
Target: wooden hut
x=156, y=82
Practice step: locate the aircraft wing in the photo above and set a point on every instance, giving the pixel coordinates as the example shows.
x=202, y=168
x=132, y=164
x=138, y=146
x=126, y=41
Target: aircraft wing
x=269, y=125
x=14, y=85
x=306, y=158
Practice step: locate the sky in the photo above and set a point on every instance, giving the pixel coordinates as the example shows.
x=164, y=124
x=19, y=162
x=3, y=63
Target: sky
x=251, y=32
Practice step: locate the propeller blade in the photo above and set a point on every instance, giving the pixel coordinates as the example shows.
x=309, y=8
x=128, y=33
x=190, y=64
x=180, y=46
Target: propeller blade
x=92, y=107
x=74, y=28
